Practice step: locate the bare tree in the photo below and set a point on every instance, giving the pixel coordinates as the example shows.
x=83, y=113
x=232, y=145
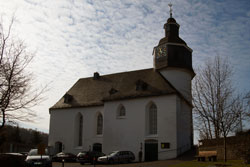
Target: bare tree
x=16, y=94
x=218, y=109
x=247, y=104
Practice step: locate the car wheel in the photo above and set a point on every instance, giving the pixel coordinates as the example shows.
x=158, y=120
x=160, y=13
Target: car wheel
x=111, y=161
x=82, y=163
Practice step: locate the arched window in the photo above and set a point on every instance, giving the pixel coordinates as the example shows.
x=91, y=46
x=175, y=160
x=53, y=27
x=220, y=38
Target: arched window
x=99, y=124
x=121, y=112
x=80, y=131
x=152, y=119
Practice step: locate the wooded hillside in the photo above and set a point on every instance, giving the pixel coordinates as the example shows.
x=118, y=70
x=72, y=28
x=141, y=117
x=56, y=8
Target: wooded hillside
x=16, y=139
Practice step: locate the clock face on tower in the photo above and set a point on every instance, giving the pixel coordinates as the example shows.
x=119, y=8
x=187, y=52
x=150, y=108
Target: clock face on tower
x=161, y=51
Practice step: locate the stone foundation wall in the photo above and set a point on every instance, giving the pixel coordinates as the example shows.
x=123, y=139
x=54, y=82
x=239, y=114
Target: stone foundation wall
x=237, y=146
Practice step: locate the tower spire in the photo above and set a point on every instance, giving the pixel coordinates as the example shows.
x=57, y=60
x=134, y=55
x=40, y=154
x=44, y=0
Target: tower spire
x=172, y=51
x=170, y=9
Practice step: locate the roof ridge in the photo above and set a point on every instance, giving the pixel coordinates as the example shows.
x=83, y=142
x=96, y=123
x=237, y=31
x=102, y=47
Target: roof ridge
x=89, y=91
x=118, y=73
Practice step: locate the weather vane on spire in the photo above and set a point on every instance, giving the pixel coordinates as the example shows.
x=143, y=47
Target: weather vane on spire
x=170, y=11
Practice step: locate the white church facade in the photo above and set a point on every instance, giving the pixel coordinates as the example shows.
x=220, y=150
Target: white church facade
x=148, y=110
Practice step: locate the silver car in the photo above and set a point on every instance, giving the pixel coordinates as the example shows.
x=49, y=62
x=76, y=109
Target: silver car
x=117, y=157
x=34, y=159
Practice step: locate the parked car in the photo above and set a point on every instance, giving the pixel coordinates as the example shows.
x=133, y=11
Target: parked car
x=15, y=154
x=117, y=157
x=88, y=157
x=67, y=157
x=34, y=159
x=12, y=159
x=24, y=153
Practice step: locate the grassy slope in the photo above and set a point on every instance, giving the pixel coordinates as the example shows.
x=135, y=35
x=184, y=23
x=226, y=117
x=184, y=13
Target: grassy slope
x=232, y=163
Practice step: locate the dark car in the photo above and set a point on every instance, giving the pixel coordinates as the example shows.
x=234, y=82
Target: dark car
x=24, y=153
x=12, y=159
x=34, y=159
x=89, y=157
x=117, y=157
x=67, y=157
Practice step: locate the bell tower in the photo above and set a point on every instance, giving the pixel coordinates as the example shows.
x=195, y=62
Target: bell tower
x=173, y=58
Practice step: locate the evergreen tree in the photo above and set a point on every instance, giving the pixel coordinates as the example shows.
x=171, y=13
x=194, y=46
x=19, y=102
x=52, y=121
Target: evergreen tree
x=37, y=139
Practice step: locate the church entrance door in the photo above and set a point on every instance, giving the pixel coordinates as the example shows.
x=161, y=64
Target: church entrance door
x=151, y=150
x=97, y=147
x=58, y=147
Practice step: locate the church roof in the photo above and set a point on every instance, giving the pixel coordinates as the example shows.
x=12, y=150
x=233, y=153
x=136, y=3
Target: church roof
x=172, y=39
x=94, y=91
x=171, y=33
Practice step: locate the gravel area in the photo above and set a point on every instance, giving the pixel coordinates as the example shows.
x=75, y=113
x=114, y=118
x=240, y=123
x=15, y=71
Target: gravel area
x=164, y=163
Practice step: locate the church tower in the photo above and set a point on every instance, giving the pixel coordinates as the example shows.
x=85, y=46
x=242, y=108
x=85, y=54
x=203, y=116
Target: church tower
x=173, y=58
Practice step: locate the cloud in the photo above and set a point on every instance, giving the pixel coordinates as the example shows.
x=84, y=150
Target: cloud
x=73, y=39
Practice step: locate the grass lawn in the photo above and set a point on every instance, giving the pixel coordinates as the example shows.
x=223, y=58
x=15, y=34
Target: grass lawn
x=195, y=163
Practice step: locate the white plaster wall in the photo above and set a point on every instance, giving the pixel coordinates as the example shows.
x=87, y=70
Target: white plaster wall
x=129, y=132
x=180, y=79
x=124, y=133
x=184, y=126
x=62, y=128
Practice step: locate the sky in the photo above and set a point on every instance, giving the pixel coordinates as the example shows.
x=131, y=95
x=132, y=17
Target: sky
x=72, y=39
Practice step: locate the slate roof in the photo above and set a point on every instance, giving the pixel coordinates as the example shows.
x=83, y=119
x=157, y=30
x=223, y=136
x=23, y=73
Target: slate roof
x=172, y=39
x=125, y=85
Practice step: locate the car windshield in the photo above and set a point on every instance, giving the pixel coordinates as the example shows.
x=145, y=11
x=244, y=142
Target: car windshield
x=35, y=152
x=61, y=154
x=82, y=153
x=112, y=153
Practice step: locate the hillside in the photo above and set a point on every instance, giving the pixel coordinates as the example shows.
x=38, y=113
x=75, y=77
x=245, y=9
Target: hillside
x=16, y=139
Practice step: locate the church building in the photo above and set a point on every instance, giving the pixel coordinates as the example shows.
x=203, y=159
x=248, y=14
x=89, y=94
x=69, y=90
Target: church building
x=148, y=110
